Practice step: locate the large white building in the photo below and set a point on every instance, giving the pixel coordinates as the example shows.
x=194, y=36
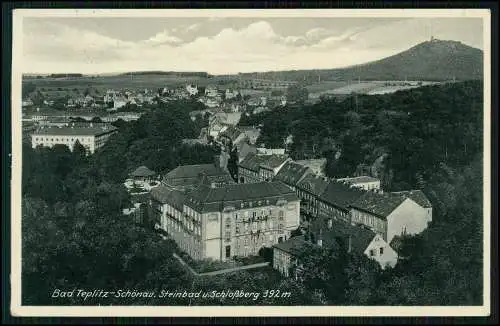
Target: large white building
x=92, y=137
x=227, y=221
x=392, y=214
x=363, y=182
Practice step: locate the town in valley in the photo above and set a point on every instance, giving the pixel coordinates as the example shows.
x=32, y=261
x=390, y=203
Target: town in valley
x=345, y=186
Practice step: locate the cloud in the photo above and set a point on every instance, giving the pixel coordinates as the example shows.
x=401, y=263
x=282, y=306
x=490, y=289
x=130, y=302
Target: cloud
x=52, y=48
x=163, y=38
x=193, y=27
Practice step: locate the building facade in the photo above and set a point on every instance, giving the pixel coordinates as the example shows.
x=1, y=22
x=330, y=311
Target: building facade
x=234, y=220
x=362, y=182
x=257, y=168
x=390, y=214
x=92, y=138
x=309, y=190
x=335, y=201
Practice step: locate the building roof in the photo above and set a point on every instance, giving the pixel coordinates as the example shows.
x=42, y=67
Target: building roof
x=244, y=149
x=314, y=164
x=291, y=173
x=253, y=161
x=417, y=196
x=76, y=131
x=294, y=246
x=232, y=133
x=142, y=171
x=360, y=237
x=250, y=132
x=340, y=195
x=231, y=118
x=378, y=204
x=313, y=184
x=273, y=161
x=193, y=171
x=166, y=195
x=208, y=199
x=361, y=179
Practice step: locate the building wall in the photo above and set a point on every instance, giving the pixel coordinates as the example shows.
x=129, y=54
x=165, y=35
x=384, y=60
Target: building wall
x=368, y=185
x=377, y=224
x=408, y=216
x=331, y=211
x=309, y=202
x=282, y=261
x=91, y=143
x=247, y=176
x=381, y=252
x=245, y=231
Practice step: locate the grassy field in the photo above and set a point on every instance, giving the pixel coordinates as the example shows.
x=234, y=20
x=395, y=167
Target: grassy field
x=103, y=83
x=364, y=87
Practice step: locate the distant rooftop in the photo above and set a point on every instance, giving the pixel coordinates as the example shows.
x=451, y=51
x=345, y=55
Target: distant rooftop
x=294, y=246
x=142, y=171
x=77, y=131
x=361, y=179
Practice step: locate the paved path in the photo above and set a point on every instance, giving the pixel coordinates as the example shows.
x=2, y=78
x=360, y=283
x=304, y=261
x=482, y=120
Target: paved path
x=222, y=271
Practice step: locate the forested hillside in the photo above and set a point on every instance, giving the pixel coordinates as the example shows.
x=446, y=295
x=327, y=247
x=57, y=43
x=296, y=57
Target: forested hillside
x=419, y=130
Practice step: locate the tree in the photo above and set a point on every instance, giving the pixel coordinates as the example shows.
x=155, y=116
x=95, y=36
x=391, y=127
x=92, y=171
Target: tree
x=232, y=164
x=297, y=93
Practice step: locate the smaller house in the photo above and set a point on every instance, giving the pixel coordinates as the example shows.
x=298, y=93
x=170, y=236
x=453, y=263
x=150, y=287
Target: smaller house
x=192, y=89
x=270, y=151
x=363, y=182
x=286, y=254
x=316, y=165
x=211, y=91
x=358, y=240
x=231, y=93
x=231, y=136
x=244, y=149
x=251, y=133
x=119, y=102
x=142, y=174
x=257, y=168
x=291, y=173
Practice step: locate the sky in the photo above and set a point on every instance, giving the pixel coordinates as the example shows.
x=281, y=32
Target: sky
x=217, y=45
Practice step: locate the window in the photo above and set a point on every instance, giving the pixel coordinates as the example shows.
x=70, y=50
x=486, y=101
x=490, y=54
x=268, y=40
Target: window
x=281, y=215
x=280, y=239
x=381, y=251
x=228, y=251
x=372, y=253
x=254, y=214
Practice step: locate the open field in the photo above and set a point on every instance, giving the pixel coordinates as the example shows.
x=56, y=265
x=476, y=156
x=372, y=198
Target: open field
x=363, y=87
x=102, y=83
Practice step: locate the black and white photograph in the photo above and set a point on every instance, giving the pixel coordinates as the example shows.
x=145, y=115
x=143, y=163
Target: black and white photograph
x=234, y=162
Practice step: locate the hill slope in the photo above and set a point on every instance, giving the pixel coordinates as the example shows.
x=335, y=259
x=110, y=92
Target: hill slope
x=432, y=60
